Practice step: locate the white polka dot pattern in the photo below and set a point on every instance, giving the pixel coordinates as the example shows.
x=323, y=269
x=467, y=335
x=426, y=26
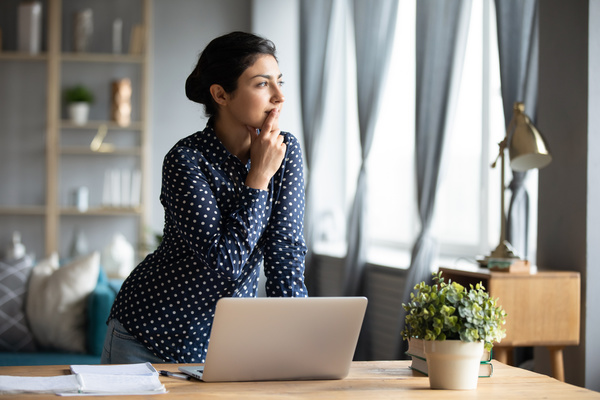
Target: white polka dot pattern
x=217, y=233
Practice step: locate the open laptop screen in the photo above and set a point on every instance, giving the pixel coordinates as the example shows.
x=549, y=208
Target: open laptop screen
x=282, y=338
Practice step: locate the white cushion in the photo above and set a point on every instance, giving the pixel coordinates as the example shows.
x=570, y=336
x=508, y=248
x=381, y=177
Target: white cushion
x=56, y=301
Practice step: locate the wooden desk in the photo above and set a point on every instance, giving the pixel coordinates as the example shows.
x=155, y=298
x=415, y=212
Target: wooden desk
x=542, y=309
x=367, y=380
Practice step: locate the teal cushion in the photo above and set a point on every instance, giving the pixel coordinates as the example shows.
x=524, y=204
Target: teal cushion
x=46, y=358
x=99, y=305
x=102, y=277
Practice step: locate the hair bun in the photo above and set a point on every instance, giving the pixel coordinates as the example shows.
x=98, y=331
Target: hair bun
x=192, y=88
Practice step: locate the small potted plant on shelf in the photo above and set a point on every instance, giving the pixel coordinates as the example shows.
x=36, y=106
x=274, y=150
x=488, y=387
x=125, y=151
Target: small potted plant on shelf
x=455, y=325
x=78, y=99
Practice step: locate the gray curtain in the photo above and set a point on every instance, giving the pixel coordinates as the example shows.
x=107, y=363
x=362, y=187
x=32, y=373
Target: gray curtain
x=374, y=26
x=518, y=50
x=441, y=36
x=315, y=19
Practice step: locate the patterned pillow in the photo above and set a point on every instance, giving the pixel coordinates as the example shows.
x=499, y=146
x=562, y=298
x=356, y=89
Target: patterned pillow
x=15, y=334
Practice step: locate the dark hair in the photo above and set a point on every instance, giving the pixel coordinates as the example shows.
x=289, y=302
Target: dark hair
x=222, y=62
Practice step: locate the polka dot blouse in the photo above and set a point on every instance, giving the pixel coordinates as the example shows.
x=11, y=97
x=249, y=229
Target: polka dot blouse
x=217, y=233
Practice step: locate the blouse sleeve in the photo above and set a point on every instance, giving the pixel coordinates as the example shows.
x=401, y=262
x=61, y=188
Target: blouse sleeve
x=222, y=242
x=285, y=249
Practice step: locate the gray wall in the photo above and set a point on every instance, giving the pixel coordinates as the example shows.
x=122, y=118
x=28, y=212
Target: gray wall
x=592, y=325
x=569, y=188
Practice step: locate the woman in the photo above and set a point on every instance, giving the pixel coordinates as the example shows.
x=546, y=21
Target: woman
x=233, y=196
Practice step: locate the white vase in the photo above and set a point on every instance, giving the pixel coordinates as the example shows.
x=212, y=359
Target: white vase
x=79, y=246
x=453, y=364
x=79, y=112
x=118, y=257
x=29, y=27
x=16, y=249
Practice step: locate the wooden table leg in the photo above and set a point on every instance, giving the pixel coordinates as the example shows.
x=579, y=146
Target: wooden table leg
x=502, y=354
x=556, y=359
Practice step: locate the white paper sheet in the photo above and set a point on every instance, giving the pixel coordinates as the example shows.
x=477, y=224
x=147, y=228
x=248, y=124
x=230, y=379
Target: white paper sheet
x=90, y=380
x=39, y=384
x=118, y=369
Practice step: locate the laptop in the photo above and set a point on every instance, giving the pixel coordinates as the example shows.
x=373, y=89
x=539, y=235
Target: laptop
x=272, y=338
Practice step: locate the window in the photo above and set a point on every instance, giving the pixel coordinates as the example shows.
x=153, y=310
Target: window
x=467, y=216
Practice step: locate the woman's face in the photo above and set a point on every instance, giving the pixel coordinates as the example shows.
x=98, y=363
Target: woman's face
x=258, y=92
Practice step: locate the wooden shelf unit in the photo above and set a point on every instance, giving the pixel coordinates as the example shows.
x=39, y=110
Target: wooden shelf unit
x=54, y=60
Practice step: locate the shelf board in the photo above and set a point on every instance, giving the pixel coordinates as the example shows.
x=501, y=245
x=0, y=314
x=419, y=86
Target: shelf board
x=102, y=211
x=95, y=125
x=83, y=150
x=21, y=56
x=103, y=57
x=22, y=210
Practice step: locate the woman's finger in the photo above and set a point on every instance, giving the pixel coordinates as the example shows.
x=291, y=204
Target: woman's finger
x=270, y=121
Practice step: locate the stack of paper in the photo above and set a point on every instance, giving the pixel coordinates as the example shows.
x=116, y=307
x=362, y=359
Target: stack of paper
x=130, y=379
x=38, y=384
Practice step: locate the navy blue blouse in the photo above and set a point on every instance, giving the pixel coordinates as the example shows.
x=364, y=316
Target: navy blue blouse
x=217, y=233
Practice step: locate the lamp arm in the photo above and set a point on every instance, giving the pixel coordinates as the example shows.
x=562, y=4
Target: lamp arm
x=504, y=143
x=502, y=146
x=503, y=250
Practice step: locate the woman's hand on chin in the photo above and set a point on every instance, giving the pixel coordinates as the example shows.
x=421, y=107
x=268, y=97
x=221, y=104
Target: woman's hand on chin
x=266, y=152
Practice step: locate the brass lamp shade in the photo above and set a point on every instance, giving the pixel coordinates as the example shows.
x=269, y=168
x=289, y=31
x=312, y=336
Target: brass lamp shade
x=526, y=148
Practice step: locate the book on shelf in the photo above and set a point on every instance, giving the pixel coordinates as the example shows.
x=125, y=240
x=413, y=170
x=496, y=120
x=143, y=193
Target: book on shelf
x=416, y=351
x=122, y=188
x=137, y=44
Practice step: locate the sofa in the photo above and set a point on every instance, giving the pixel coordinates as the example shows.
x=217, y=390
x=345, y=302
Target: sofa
x=59, y=313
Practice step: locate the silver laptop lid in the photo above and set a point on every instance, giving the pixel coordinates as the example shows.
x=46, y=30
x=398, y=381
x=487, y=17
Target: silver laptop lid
x=255, y=339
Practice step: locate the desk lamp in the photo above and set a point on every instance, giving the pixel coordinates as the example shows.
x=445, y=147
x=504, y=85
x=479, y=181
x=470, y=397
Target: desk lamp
x=527, y=150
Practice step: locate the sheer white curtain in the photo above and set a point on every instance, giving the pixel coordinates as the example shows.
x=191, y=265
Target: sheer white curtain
x=441, y=35
x=315, y=23
x=374, y=28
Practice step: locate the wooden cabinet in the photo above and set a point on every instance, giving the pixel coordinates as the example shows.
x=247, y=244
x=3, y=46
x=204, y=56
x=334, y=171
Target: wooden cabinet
x=543, y=309
x=44, y=158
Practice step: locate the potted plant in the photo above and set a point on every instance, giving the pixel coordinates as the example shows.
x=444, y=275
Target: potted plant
x=78, y=99
x=456, y=324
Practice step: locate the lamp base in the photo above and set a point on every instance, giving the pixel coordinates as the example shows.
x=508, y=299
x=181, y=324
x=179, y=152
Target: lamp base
x=504, y=250
x=509, y=265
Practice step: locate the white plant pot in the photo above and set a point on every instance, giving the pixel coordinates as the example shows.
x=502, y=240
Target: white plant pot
x=453, y=364
x=79, y=112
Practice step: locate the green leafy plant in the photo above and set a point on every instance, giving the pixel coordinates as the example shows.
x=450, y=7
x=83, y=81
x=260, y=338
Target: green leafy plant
x=79, y=93
x=450, y=311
